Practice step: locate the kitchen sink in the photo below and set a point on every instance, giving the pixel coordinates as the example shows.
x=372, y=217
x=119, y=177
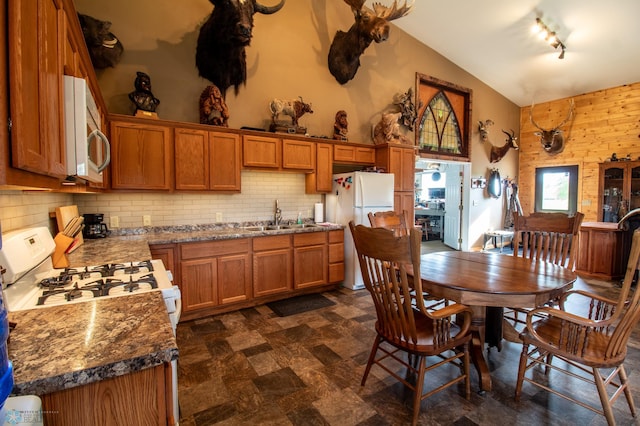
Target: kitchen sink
x=302, y=225
x=265, y=228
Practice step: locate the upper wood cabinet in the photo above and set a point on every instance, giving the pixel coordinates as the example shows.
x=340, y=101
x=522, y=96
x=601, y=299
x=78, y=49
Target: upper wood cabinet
x=261, y=151
x=320, y=181
x=141, y=156
x=298, y=155
x=35, y=81
x=207, y=160
x=399, y=160
x=353, y=154
x=619, y=189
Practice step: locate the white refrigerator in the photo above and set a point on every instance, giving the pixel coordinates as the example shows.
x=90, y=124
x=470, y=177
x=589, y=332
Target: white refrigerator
x=354, y=195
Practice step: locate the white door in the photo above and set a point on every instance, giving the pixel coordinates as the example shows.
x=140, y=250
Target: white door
x=453, y=205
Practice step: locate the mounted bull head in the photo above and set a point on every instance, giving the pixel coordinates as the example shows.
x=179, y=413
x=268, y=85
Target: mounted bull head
x=220, y=54
x=370, y=25
x=498, y=152
x=552, y=139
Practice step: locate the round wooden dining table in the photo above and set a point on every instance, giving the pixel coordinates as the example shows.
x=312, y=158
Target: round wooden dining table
x=479, y=280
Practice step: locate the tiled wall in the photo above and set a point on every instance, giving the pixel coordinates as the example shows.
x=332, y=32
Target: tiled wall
x=27, y=209
x=255, y=203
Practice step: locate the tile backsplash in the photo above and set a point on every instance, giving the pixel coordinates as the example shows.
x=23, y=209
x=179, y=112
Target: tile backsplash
x=255, y=203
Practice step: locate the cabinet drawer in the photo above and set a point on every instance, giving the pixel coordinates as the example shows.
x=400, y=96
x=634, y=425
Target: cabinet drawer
x=336, y=272
x=213, y=248
x=309, y=239
x=336, y=253
x=271, y=243
x=336, y=236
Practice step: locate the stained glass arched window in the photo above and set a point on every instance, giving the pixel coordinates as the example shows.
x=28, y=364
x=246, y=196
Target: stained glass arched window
x=443, y=129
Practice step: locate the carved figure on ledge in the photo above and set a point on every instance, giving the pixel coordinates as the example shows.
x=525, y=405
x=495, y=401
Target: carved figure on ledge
x=142, y=96
x=388, y=130
x=213, y=108
x=340, y=127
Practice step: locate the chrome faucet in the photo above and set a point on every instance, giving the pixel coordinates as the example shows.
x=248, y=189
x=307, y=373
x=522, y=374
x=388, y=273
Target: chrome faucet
x=278, y=214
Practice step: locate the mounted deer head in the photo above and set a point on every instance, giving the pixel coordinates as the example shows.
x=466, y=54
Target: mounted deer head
x=552, y=140
x=370, y=25
x=498, y=152
x=483, y=128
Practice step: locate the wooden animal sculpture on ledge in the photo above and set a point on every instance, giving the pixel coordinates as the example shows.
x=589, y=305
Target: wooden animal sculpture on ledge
x=213, y=108
x=220, y=54
x=551, y=139
x=404, y=101
x=497, y=152
x=370, y=25
x=340, y=127
x=388, y=129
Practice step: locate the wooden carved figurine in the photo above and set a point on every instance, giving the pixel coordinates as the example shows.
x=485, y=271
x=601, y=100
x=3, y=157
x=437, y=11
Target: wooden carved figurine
x=388, y=130
x=213, y=108
x=142, y=96
x=340, y=127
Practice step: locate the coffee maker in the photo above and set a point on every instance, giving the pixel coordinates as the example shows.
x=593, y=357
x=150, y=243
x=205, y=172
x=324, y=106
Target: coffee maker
x=93, y=226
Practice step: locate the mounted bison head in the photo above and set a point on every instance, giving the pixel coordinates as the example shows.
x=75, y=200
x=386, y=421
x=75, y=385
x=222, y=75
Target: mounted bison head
x=220, y=54
x=104, y=48
x=551, y=139
x=370, y=25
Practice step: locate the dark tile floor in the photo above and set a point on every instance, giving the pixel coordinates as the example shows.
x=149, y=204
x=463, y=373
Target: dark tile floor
x=253, y=367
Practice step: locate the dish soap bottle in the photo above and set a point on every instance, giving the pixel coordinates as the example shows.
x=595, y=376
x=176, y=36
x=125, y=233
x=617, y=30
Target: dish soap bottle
x=299, y=218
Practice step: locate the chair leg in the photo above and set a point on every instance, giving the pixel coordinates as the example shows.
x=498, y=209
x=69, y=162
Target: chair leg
x=417, y=397
x=604, y=397
x=372, y=356
x=521, y=370
x=627, y=392
x=465, y=363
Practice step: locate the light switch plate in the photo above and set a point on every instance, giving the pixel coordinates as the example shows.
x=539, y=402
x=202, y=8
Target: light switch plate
x=114, y=221
x=146, y=220
x=218, y=216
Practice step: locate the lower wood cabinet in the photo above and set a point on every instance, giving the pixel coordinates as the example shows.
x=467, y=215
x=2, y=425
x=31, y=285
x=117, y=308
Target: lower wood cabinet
x=139, y=398
x=214, y=273
x=310, y=259
x=336, y=256
x=603, y=251
x=272, y=265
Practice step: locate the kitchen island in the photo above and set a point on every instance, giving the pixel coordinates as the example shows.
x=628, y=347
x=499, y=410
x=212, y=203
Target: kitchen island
x=104, y=361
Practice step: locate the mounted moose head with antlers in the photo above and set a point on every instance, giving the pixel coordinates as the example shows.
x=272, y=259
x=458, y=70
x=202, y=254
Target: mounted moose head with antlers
x=370, y=25
x=552, y=139
x=497, y=152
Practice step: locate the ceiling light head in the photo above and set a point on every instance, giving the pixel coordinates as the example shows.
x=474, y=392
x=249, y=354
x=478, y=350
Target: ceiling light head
x=549, y=36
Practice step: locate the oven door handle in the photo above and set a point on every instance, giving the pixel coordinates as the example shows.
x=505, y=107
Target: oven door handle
x=178, y=299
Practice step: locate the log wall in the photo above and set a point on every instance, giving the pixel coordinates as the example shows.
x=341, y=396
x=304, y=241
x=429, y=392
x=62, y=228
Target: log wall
x=604, y=122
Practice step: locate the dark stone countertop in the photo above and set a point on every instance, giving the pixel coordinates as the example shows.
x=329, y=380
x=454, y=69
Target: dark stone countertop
x=75, y=344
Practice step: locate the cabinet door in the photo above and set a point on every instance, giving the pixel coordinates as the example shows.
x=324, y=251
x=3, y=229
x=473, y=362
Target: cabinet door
x=310, y=266
x=261, y=151
x=140, y=156
x=298, y=155
x=404, y=201
x=402, y=165
x=224, y=160
x=321, y=180
x=35, y=77
x=234, y=278
x=191, y=159
x=272, y=272
x=336, y=256
x=198, y=286
x=353, y=154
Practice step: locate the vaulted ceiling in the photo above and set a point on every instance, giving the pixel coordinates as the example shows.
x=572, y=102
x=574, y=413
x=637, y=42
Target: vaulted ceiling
x=492, y=40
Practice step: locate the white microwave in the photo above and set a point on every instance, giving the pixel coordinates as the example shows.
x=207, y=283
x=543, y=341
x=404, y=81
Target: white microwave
x=88, y=149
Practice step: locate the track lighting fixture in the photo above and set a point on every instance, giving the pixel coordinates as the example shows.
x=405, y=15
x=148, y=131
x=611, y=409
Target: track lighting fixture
x=549, y=36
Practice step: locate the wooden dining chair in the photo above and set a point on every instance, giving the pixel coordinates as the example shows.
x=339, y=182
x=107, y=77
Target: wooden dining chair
x=397, y=222
x=593, y=346
x=406, y=331
x=546, y=237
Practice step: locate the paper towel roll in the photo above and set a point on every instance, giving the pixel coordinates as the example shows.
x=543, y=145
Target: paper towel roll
x=318, y=213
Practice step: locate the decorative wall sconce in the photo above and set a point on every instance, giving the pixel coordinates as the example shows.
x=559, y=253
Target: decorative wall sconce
x=478, y=182
x=549, y=36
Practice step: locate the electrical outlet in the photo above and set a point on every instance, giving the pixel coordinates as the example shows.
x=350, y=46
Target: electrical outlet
x=146, y=220
x=114, y=221
x=218, y=216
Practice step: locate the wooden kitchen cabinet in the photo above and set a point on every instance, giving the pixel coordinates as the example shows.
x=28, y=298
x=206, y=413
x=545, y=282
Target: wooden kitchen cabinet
x=214, y=273
x=399, y=160
x=321, y=180
x=298, y=155
x=619, y=189
x=142, y=397
x=336, y=256
x=167, y=254
x=36, y=86
x=141, y=155
x=353, y=154
x=603, y=250
x=272, y=265
x=207, y=161
x=310, y=259
x=261, y=151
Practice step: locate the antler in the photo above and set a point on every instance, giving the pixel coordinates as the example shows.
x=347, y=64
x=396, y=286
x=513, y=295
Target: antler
x=356, y=5
x=393, y=12
x=569, y=115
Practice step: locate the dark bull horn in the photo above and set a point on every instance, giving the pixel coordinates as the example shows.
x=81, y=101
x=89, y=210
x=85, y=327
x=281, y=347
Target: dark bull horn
x=267, y=10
